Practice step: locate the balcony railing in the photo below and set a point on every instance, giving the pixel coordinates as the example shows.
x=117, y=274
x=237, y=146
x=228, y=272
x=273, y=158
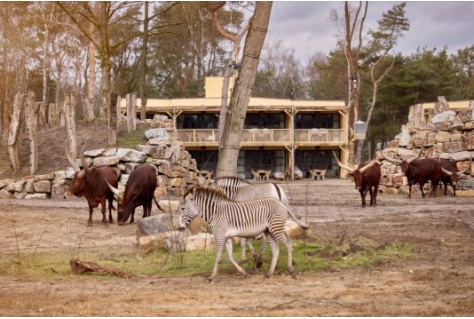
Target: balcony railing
x=257, y=137
x=319, y=136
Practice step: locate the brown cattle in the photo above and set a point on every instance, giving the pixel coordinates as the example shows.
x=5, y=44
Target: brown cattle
x=91, y=184
x=419, y=171
x=366, y=178
x=139, y=190
x=450, y=174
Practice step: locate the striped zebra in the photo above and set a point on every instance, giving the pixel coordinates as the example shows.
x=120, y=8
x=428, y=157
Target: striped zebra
x=240, y=190
x=228, y=218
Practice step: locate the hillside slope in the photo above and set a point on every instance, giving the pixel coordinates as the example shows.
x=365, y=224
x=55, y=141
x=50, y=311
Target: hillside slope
x=51, y=147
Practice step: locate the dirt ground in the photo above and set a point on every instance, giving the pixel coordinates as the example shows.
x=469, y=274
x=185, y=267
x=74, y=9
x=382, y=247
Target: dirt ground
x=438, y=281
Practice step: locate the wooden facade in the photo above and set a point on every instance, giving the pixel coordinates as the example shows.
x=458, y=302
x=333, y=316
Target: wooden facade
x=279, y=134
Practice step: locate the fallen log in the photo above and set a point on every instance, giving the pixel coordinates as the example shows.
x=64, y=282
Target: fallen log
x=80, y=267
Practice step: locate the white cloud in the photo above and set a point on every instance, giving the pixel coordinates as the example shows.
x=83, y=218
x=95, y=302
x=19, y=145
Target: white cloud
x=307, y=27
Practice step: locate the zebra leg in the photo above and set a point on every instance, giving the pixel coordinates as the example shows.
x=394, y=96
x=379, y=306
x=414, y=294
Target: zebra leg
x=228, y=247
x=219, y=246
x=242, y=245
x=287, y=242
x=258, y=259
x=275, y=252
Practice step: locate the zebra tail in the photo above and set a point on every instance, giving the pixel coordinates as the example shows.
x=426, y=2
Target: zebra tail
x=299, y=222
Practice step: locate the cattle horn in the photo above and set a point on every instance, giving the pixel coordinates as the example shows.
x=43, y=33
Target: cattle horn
x=393, y=160
x=118, y=194
x=367, y=166
x=342, y=165
x=69, y=158
x=83, y=160
x=446, y=171
x=416, y=157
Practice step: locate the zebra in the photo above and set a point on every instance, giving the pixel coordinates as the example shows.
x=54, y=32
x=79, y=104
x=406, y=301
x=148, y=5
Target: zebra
x=239, y=189
x=228, y=218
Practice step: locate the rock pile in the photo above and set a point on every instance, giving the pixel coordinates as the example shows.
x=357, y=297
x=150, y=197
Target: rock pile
x=176, y=169
x=448, y=135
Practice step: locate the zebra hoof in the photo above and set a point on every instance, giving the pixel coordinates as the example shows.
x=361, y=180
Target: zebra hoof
x=246, y=275
x=210, y=279
x=268, y=275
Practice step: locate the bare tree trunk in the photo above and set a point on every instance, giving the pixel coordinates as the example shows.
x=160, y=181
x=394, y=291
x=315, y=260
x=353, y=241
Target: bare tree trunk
x=143, y=65
x=131, y=102
x=90, y=83
x=232, y=134
x=32, y=124
x=113, y=119
x=70, y=118
x=13, y=143
x=232, y=60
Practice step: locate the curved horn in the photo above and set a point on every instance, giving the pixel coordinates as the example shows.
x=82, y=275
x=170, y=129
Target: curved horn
x=342, y=165
x=416, y=157
x=468, y=167
x=393, y=160
x=70, y=159
x=118, y=194
x=367, y=166
x=446, y=171
x=83, y=160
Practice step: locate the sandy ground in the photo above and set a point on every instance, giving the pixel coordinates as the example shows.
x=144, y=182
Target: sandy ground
x=438, y=281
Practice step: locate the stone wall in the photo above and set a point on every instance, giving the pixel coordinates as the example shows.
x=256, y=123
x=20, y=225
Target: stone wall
x=448, y=135
x=175, y=168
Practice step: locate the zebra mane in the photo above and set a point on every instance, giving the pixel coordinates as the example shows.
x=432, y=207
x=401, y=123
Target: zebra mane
x=210, y=191
x=233, y=179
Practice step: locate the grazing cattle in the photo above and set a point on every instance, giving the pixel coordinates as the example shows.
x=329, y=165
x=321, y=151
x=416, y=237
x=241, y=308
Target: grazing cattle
x=366, y=178
x=139, y=190
x=419, y=171
x=450, y=174
x=91, y=183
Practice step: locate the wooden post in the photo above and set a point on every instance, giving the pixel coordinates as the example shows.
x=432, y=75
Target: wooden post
x=119, y=112
x=41, y=113
x=70, y=118
x=131, y=112
x=112, y=119
x=7, y=119
x=32, y=125
x=13, y=137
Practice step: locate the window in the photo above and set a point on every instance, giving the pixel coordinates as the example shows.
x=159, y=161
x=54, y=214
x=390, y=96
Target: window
x=205, y=160
x=264, y=120
x=317, y=120
x=307, y=160
x=198, y=121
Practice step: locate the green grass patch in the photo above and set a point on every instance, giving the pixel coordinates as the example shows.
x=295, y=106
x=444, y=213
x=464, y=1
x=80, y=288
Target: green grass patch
x=307, y=256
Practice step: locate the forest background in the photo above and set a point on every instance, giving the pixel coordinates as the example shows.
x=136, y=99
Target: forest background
x=166, y=49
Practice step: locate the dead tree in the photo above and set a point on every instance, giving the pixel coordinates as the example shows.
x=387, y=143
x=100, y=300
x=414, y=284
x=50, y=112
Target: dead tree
x=13, y=143
x=32, y=126
x=70, y=118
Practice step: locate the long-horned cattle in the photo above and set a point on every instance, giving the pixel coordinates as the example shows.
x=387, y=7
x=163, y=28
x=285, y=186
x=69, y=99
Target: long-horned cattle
x=419, y=171
x=366, y=178
x=450, y=174
x=139, y=191
x=91, y=183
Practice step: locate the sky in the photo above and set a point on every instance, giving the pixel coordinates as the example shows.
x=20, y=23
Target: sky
x=306, y=26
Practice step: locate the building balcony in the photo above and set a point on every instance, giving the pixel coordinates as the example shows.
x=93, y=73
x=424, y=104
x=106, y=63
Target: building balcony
x=266, y=137
x=319, y=137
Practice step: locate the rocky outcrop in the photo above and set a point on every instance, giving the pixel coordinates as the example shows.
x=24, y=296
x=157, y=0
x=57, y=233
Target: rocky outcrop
x=176, y=169
x=448, y=135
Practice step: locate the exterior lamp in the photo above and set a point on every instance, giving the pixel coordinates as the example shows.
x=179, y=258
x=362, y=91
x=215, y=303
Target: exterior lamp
x=359, y=130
